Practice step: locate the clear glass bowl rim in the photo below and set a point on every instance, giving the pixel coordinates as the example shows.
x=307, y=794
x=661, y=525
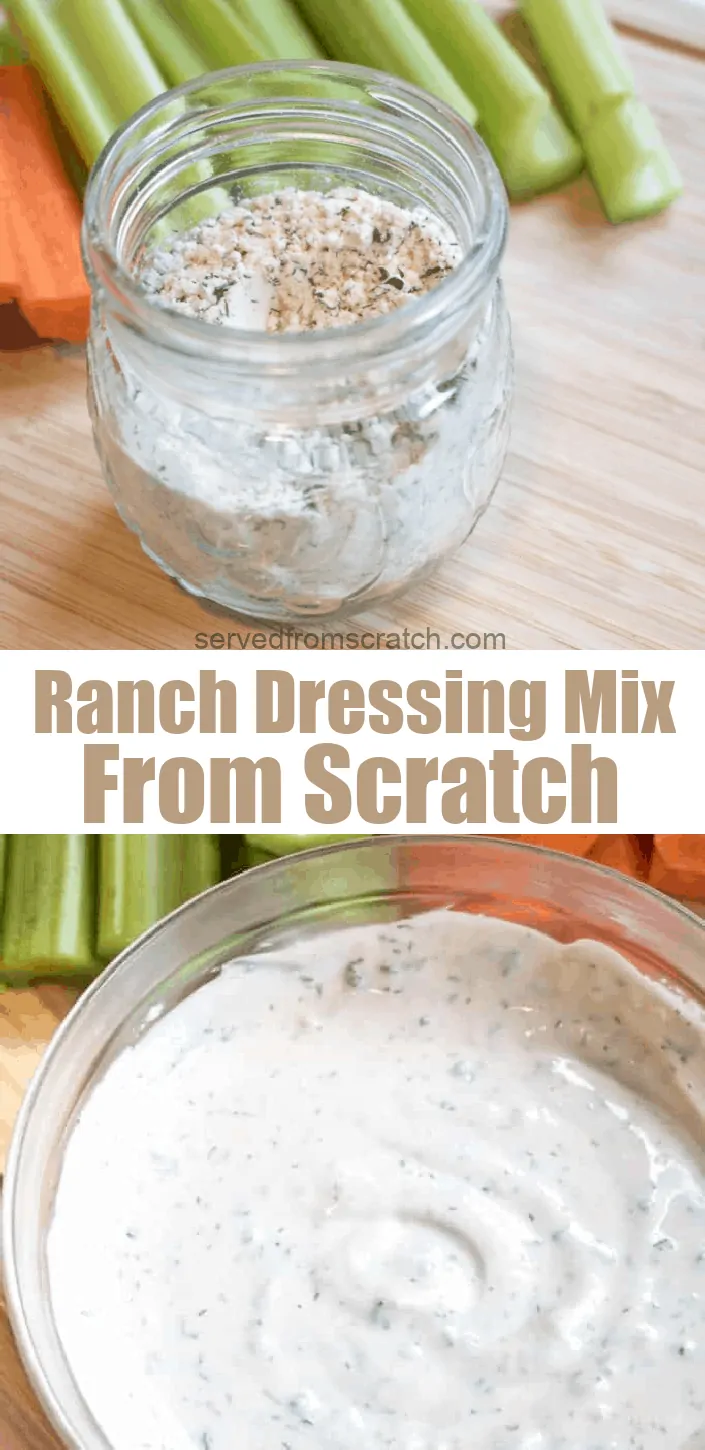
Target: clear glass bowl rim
x=631, y=899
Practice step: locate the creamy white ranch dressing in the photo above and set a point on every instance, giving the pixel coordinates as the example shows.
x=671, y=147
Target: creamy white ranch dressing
x=425, y=1186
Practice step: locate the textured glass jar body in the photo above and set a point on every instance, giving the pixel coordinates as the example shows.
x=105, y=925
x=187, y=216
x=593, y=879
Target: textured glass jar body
x=290, y=476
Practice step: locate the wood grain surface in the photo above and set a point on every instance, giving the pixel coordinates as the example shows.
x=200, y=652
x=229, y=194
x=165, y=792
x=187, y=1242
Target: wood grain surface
x=22, y=1423
x=679, y=22
x=596, y=535
x=28, y=1021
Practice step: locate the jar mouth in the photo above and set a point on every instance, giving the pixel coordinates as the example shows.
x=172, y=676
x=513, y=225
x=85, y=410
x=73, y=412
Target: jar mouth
x=138, y=181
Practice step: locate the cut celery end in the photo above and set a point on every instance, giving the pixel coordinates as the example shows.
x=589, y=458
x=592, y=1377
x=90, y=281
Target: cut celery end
x=529, y=139
x=630, y=166
x=536, y=155
x=49, y=907
x=646, y=191
x=581, y=53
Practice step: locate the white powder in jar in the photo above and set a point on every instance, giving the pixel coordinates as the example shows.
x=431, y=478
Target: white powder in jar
x=294, y=260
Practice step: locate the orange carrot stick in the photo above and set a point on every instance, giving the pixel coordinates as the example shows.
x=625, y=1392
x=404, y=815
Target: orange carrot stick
x=9, y=270
x=678, y=866
x=622, y=853
x=45, y=213
x=9, y=266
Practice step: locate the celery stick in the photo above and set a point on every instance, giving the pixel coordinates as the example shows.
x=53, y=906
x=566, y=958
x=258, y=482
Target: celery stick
x=232, y=855
x=221, y=35
x=280, y=28
x=74, y=165
x=352, y=875
x=11, y=52
x=84, y=109
x=114, y=51
x=48, y=919
x=3, y=855
x=529, y=139
x=200, y=864
x=139, y=881
x=142, y=878
x=178, y=59
x=266, y=848
x=256, y=856
x=382, y=34
x=630, y=165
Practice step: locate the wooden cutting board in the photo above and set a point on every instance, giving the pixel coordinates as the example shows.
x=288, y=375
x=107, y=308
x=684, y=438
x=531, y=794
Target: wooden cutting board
x=28, y=1020
x=596, y=535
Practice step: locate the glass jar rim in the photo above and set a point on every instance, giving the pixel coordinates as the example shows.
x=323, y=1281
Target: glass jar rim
x=192, y=335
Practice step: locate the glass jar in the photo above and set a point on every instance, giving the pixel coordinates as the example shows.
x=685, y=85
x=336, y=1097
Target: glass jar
x=286, y=476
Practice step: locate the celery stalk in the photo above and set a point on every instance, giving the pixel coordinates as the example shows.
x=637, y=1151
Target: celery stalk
x=257, y=856
x=114, y=52
x=177, y=58
x=83, y=107
x=267, y=848
x=48, y=919
x=280, y=28
x=382, y=34
x=224, y=39
x=232, y=855
x=3, y=855
x=628, y=161
x=142, y=878
x=200, y=864
x=528, y=137
x=74, y=165
x=11, y=52
x=139, y=881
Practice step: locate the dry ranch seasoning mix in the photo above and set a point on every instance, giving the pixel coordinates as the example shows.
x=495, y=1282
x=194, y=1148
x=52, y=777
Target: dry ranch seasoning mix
x=298, y=260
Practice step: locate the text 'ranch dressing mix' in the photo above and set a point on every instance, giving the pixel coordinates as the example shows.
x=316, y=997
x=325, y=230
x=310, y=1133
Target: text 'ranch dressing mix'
x=427, y=1186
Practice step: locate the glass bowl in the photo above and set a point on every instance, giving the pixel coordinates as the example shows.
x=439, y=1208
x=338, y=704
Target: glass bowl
x=376, y=880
